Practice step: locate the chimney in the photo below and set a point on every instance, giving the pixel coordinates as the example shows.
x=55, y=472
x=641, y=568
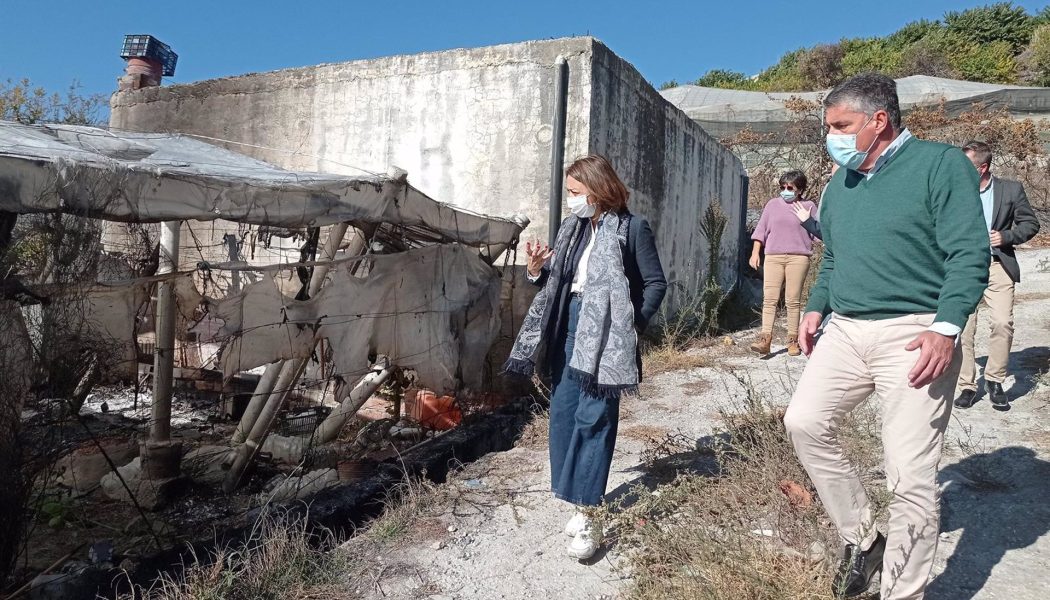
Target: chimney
x=148, y=60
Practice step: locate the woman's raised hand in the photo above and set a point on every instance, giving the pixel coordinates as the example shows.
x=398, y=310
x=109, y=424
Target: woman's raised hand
x=801, y=212
x=537, y=255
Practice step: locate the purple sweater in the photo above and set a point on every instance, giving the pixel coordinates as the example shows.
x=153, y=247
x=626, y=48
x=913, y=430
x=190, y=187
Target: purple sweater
x=780, y=231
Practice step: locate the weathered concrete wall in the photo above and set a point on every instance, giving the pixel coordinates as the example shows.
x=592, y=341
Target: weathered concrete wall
x=673, y=168
x=472, y=127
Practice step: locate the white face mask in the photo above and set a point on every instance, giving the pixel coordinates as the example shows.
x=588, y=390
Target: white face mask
x=579, y=207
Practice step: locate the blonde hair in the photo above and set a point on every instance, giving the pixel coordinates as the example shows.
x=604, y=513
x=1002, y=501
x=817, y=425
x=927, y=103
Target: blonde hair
x=606, y=189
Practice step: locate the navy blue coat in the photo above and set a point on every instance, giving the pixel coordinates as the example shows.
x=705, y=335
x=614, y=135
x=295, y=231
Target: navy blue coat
x=645, y=276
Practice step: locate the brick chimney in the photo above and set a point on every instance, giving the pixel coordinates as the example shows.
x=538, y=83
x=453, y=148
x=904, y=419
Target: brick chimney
x=140, y=73
x=149, y=59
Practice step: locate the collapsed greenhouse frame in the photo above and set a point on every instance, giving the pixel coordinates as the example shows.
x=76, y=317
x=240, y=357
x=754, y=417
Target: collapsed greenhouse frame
x=386, y=241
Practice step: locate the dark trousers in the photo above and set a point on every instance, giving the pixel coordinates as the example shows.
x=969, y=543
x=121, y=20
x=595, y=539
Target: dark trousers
x=582, y=429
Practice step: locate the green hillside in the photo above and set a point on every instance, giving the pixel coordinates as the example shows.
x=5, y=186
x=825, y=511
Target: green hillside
x=997, y=43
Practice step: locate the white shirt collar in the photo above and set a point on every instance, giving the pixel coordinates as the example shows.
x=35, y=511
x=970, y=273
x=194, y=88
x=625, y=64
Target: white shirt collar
x=890, y=150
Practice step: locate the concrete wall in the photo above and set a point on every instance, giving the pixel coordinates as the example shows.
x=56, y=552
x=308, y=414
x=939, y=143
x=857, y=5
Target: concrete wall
x=472, y=127
x=674, y=169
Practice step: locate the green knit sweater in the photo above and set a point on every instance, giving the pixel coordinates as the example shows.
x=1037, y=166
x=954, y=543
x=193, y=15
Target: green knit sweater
x=909, y=240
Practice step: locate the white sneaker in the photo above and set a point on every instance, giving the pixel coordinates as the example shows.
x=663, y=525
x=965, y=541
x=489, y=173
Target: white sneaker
x=585, y=543
x=576, y=524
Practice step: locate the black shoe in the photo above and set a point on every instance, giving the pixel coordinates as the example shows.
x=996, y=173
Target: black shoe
x=858, y=568
x=966, y=399
x=998, y=396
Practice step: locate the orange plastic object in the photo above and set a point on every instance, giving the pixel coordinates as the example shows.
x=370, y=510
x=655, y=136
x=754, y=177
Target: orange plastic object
x=431, y=410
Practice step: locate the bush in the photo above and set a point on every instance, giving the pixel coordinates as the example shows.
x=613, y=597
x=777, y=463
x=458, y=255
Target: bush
x=1039, y=55
x=992, y=63
x=911, y=33
x=784, y=76
x=822, y=65
x=720, y=78
x=868, y=55
x=925, y=58
x=1000, y=22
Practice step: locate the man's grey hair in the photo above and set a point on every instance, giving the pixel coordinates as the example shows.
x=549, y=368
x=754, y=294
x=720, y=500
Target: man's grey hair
x=868, y=93
x=981, y=152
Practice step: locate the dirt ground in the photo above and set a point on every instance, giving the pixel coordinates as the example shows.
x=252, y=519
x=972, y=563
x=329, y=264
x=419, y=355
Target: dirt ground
x=499, y=537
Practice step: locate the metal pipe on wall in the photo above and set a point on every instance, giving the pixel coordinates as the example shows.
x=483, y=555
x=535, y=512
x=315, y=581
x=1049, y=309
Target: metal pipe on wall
x=561, y=103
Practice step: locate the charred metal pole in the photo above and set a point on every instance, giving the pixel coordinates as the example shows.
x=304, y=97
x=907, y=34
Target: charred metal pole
x=164, y=353
x=561, y=102
x=329, y=429
x=161, y=456
x=268, y=381
x=289, y=370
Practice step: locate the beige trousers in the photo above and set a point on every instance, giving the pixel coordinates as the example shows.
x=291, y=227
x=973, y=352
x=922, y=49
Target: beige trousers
x=787, y=271
x=853, y=359
x=999, y=298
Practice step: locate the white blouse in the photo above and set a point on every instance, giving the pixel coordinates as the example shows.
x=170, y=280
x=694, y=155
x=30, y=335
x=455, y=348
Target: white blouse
x=580, y=278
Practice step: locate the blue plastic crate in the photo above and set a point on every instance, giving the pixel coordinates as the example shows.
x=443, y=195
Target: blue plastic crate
x=147, y=46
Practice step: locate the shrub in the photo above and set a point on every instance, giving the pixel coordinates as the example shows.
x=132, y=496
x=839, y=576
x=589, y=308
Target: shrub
x=911, y=33
x=867, y=55
x=999, y=22
x=822, y=65
x=925, y=58
x=992, y=62
x=720, y=78
x=1039, y=55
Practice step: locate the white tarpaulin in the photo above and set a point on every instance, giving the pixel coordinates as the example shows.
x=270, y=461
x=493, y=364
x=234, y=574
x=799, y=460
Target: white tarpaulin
x=724, y=112
x=433, y=309
x=151, y=177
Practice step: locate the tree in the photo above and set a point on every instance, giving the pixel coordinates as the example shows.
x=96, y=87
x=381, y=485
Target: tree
x=21, y=101
x=1000, y=22
x=64, y=248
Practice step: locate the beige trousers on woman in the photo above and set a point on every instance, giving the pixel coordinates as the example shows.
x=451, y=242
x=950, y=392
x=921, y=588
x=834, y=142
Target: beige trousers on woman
x=853, y=359
x=787, y=271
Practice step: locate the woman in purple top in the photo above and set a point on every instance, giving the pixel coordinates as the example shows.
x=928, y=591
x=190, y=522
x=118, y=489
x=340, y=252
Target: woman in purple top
x=788, y=247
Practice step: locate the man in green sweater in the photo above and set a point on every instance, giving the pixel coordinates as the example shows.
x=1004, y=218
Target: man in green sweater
x=905, y=263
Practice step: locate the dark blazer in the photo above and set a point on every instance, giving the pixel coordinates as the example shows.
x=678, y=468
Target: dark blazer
x=641, y=265
x=1014, y=218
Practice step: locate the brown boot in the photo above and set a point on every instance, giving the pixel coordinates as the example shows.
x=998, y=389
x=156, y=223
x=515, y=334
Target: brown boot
x=793, y=348
x=761, y=343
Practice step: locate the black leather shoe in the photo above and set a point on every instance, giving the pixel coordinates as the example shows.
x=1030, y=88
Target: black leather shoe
x=858, y=568
x=998, y=396
x=966, y=399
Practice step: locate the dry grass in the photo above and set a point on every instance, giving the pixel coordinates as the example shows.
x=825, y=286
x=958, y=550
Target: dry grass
x=668, y=357
x=280, y=560
x=753, y=531
x=536, y=434
x=643, y=433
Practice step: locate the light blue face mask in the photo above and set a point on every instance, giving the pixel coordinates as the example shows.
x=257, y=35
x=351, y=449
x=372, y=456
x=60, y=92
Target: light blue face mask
x=787, y=195
x=843, y=148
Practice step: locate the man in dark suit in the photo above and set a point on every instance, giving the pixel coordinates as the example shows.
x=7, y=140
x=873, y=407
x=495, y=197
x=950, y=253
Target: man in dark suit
x=1011, y=221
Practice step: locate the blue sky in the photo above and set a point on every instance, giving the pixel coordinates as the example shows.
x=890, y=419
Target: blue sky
x=680, y=40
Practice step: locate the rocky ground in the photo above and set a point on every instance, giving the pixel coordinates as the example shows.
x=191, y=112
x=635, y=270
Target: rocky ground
x=497, y=533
